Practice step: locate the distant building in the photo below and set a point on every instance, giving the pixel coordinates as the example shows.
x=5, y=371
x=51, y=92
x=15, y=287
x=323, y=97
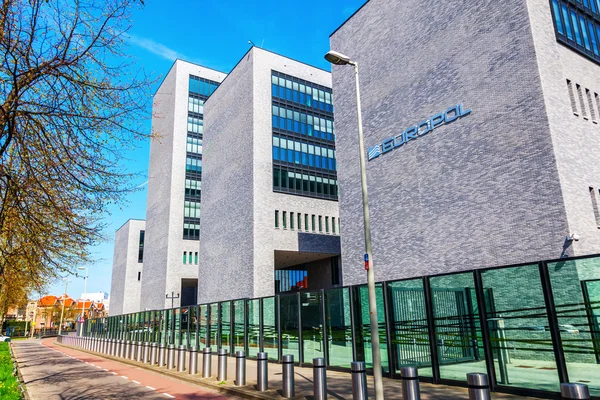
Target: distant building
x=97, y=297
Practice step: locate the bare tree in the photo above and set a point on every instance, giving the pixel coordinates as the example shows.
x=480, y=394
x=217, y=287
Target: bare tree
x=71, y=105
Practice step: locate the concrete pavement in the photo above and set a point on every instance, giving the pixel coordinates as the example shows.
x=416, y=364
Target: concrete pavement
x=52, y=372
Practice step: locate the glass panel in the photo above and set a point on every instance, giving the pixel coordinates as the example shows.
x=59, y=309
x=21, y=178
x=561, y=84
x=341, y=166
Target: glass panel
x=203, y=325
x=518, y=324
x=339, y=327
x=457, y=327
x=576, y=290
x=253, y=327
x=184, y=326
x=225, y=325
x=238, y=327
x=269, y=328
x=289, y=325
x=194, y=324
x=312, y=327
x=214, y=326
x=410, y=336
x=363, y=326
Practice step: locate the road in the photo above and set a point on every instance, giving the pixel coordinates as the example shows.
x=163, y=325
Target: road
x=52, y=372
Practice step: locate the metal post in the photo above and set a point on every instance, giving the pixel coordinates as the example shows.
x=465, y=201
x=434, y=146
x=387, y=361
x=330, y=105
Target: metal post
x=153, y=353
x=171, y=356
x=222, y=365
x=193, y=360
x=479, y=387
x=145, y=352
x=139, y=352
x=127, y=351
x=288, y=376
x=410, y=383
x=181, y=358
x=359, y=380
x=319, y=379
x=262, y=372
x=240, y=368
x=574, y=391
x=206, y=355
x=162, y=353
x=121, y=348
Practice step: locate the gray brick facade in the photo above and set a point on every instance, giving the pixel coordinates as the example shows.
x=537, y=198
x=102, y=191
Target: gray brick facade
x=505, y=184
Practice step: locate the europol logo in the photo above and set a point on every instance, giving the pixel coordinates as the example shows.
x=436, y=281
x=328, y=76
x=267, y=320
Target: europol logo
x=421, y=129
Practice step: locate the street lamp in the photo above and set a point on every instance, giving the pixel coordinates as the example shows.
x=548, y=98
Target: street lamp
x=340, y=59
x=85, y=293
x=62, y=312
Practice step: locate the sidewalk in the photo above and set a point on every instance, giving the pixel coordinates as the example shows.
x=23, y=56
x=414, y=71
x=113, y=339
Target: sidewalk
x=339, y=384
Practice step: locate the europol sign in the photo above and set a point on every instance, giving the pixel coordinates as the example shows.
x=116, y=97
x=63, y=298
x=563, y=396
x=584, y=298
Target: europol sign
x=416, y=131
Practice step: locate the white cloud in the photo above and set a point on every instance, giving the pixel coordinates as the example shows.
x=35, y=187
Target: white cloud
x=157, y=48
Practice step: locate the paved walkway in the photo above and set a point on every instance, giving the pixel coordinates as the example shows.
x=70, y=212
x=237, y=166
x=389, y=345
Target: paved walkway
x=54, y=372
x=338, y=383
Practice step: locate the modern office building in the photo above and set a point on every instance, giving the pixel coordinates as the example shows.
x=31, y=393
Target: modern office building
x=128, y=262
x=174, y=186
x=269, y=203
x=482, y=127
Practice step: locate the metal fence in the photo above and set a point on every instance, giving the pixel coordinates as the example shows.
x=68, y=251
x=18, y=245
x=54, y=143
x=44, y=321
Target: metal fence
x=530, y=327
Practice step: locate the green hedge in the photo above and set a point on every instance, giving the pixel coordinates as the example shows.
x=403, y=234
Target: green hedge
x=9, y=386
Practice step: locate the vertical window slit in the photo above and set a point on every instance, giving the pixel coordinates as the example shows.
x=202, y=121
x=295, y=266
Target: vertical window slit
x=581, y=103
x=572, y=97
x=595, y=206
x=591, y=105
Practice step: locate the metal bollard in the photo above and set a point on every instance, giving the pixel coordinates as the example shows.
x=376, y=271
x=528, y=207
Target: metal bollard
x=111, y=347
x=181, y=358
x=359, y=380
x=154, y=353
x=193, y=360
x=162, y=353
x=574, y=391
x=139, y=352
x=240, y=368
x=287, y=366
x=171, y=356
x=128, y=349
x=410, y=383
x=262, y=372
x=145, y=352
x=121, y=348
x=319, y=379
x=206, y=354
x=222, y=365
x=479, y=387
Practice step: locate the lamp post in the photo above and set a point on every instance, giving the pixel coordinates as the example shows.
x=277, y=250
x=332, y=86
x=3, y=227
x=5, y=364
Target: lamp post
x=62, y=312
x=340, y=59
x=85, y=293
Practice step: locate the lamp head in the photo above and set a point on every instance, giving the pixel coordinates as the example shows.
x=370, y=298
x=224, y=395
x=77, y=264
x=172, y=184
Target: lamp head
x=337, y=58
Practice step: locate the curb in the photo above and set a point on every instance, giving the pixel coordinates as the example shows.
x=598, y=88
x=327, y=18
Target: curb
x=246, y=392
x=22, y=385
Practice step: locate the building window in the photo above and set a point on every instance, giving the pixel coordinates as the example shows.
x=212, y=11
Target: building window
x=191, y=209
x=141, y=248
x=184, y=257
x=284, y=219
x=306, y=222
x=595, y=206
x=326, y=224
x=139, y=275
x=577, y=29
x=333, y=225
x=581, y=103
x=591, y=105
x=276, y=218
x=196, y=258
x=291, y=220
x=572, y=97
x=320, y=224
x=190, y=257
x=191, y=230
x=299, y=227
x=313, y=222
x=193, y=164
x=201, y=86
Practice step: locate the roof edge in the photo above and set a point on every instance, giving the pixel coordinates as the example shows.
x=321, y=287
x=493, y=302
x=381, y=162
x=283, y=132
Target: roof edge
x=349, y=18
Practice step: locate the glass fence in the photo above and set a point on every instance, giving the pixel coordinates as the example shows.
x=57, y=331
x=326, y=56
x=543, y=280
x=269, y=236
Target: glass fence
x=529, y=327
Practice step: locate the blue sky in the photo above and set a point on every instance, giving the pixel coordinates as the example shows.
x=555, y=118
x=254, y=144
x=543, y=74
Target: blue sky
x=213, y=34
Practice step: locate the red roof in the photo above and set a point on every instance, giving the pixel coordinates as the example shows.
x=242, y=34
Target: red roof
x=86, y=304
x=48, y=301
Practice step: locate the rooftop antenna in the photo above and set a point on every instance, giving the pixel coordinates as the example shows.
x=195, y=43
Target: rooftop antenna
x=262, y=44
x=250, y=42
